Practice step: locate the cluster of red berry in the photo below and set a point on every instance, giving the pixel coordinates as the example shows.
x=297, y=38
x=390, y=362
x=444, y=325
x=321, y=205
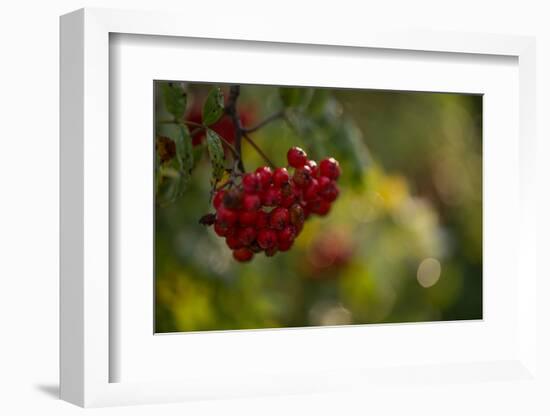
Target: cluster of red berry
x=267, y=210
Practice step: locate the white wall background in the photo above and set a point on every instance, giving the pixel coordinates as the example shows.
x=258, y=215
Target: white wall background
x=29, y=116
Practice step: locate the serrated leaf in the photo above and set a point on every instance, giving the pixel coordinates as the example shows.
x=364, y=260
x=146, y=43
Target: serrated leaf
x=184, y=152
x=174, y=176
x=295, y=97
x=213, y=107
x=217, y=157
x=175, y=98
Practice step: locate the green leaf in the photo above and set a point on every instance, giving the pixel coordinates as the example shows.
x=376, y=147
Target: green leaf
x=173, y=179
x=213, y=107
x=175, y=98
x=217, y=157
x=184, y=152
x=296, y=97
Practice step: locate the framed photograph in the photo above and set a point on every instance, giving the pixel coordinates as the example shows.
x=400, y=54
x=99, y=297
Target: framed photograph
x=279, y=214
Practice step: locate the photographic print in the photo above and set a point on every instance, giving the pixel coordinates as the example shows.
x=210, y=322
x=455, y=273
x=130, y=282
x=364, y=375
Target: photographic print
x=282, y=207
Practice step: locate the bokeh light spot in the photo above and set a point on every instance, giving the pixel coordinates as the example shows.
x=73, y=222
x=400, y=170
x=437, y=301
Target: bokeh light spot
x=428, y=272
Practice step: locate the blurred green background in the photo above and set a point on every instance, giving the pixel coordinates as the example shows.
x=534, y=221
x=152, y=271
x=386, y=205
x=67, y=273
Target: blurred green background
x=403, y=242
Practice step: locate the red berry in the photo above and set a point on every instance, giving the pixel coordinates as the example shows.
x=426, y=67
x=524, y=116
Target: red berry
x=271, y=197
x=248, y=218
x=314, y=168
x=255, y=247
x=285, y=246
x=330, y=168
x=331, y=192
x=265, y=175
x=251, y=183
x=312, y=191
x=243, y=254
x=270, y=252
x=218, y=199
x=279, y=218
x=297, y=215
x=226, y=216
x=286, y=235
x=296, y=157
x=221, y=229
x=251, y=202
x=287, y=201
x=320, y=207
x=267, y=238
x=280, y=177
x=324, y=182
x=302, y=176
x=246, y=235
x=233, y=198
x=262, y=219
x=287, y=189
x=233, y=242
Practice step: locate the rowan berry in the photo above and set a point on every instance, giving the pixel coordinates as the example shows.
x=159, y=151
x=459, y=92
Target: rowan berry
x=279, y=218
x=297, y=215
x=243, y=254
x=314, y=168
x=302, y=176
x=251, y=202
x=233, y=242
x=265, y=176
x=226, y=216
x=296, y=157
x=246, y=235
x=233, y=198
x=331, y=192
x=320, y=207
x=267, y=238
x=251, y=183
x=248, y=218
x=280, y=177
x=221, y=228
x=312, y=190
x=262, y=219
x=330, y=168
x=286, y=235
x=218, y=199
x=271, y=197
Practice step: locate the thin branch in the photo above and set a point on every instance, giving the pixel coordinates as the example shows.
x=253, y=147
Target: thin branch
x=231, y=110
x=258, y=149
x=197, y=130
x=229, y=146
x=192, y=123
x=278, y=115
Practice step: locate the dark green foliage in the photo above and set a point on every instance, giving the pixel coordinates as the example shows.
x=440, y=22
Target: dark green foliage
x=175, y=98
x=215, y=151
x=213, y=107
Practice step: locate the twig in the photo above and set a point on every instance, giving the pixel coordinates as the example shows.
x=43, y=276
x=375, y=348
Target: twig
x=197, y=130
x=273, y=117
x=229, y=146
x=192, y=123
x=257, y=148
x=231, y=110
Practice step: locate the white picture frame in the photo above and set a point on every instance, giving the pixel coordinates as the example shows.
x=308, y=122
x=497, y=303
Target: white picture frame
x=86, y=353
